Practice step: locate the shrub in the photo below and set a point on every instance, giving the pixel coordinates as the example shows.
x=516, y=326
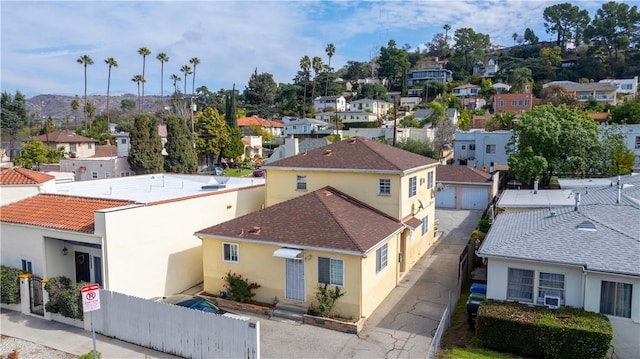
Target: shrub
x=237, y=288
x=484, y=225
x=89, y=355
x=10, y=285
x=327, y=298
x=64, y=297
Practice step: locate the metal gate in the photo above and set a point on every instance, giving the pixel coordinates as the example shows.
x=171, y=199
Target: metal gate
x=35, y=295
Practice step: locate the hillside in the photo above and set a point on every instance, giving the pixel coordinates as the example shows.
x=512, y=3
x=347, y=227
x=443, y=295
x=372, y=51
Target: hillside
x=58, y=106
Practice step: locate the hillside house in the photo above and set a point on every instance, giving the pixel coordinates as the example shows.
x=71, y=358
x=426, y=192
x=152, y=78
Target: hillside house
x=71, y=143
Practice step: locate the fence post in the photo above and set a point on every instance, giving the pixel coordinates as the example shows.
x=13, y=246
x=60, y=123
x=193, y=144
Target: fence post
x=25, y=296
x=45, y=300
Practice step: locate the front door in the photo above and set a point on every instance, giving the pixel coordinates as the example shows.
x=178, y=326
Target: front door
x=294, y=279
x=83, y=269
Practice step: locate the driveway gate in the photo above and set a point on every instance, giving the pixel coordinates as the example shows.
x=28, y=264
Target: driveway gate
x=35, y=293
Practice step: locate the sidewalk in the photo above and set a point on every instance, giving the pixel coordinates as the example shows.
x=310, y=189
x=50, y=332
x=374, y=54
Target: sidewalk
x=69, y=338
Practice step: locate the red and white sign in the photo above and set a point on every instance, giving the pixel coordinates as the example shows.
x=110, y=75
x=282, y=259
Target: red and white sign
x=90, y=297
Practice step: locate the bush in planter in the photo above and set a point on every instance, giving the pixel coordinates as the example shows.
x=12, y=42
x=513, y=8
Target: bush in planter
x=327, y=299
x=10, y=285
x=89, y=355
x=64, y=297
x=237, y=288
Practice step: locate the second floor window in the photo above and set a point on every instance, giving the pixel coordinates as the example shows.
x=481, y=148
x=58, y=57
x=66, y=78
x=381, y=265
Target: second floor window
x=430, y=180
x=491, y=148
x=413, y=185
x=94, y=175
x=301, y=182
x=425, y=225
x=230, y=252
x=384, y=186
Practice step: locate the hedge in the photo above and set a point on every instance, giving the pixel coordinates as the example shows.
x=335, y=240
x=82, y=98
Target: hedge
x=9, y=285
x=540, y=332
x=64, y=297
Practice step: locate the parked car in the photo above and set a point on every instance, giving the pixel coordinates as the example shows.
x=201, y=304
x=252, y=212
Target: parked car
x=198, y=303
x=258, y=173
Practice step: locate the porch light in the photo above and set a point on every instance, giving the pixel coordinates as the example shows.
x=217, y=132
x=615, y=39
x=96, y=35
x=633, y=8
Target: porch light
x=65, y=251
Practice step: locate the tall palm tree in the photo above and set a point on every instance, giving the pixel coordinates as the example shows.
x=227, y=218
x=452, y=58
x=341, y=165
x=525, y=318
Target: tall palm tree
x=144, y=52
x=175, y=78
x=515, y=37
x=195, y=62
x=446, y=28
x=138, y=79
x=162, y=57
x=75, y=105
x=305, y=65
x=111, y=62
x=85, y=60
x=330, y=50
x=186, y=70
x=317, y=65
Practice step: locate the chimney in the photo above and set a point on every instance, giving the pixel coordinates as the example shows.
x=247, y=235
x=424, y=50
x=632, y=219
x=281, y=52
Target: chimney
x=535, y=187
x=619, y=191
x=577, y=201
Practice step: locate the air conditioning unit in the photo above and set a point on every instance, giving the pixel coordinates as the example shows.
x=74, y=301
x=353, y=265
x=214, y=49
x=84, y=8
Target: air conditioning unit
x=552, y=302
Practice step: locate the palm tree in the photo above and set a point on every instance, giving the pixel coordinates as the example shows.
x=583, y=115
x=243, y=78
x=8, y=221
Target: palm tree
x=305, y=65
x=111, y=62
x=138, y=79
x=175, y=78
x=85, y=60
x=514, y=37
x=317, y=67
x=446, y=28
x=330, y=50
x=195, y=62
x=144, y=52
x=186, y=70
x=75, y=105
x=162, y=57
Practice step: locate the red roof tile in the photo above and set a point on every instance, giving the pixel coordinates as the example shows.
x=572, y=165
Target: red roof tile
x=18, y=175
x=106, y=151
x=257, y=121
x=457, y=173
x=64, y=137
x=57, y=211
x=356, y=153
x=326, y=218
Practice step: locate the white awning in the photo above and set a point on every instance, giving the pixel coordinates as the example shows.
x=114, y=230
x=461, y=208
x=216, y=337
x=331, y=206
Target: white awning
x=289, y=253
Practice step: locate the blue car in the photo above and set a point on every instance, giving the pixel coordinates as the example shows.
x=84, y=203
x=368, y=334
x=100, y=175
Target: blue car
x=198, y=303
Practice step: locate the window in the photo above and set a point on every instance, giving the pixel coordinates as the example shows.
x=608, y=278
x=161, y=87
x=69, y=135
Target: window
x=94, y=175
x=230, y=252
x=626, y=87
x=526, y=102
x=463, y=147
x=430, y=180
x=72, y=147
x=384, y=186
x=514, y=102
x=501, y=103
x=27, y=266
x=550, y=284
x=615, y=299
x=89, y=145
x=425, y=225
x=637, y=141
x=491, y=148
x=124, y=174
x=413, y=185
x=472, y=147
x=107, y=175
x=123, y=141
x=381, y=258
x=519, y=102
x=301, y=182
x=331, y=271
x=520, y=285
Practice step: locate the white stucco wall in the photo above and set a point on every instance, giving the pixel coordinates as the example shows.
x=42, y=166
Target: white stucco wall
x=593, y=285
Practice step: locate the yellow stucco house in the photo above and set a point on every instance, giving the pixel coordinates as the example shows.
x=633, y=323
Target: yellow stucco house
x=357, y=214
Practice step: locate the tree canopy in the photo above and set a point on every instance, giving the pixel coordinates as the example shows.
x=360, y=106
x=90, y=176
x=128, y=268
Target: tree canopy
x=145, y=155
x=181, y=156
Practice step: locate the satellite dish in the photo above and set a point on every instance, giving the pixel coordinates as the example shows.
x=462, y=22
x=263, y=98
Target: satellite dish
x=421, y=205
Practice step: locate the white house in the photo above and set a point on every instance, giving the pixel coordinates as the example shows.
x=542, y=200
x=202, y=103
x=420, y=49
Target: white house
x=487, y=68
x=307, y=126
x=585, y=256
x=501, y=87
x=133, y=235
x=357, y=116
x=625, y=86
x=106, y=163
x=322, y=103
x=377, y=107
x=466, y=90
x=479, y=149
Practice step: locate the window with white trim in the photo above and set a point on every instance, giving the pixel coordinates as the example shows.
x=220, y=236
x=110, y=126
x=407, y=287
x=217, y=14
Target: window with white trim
x=413, y=186
x=550, y=284
x=491, y=148
x=637, y=141
x=331, y=271
x=615, y=299
x=301, y=182
x=384, y=187
x=230, y=252
x=107, y=175
x=94, y=175
x=381, y=258
x=520, y=285
x=27, y=265
x=430, y=180
x=425, y=225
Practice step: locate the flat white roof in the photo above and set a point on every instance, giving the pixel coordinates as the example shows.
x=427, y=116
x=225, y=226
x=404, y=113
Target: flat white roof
x=513, y=198
x=156, y=187
x=569, y=183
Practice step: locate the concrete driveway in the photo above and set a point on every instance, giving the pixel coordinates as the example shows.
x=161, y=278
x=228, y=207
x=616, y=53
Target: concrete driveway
x=403, y=325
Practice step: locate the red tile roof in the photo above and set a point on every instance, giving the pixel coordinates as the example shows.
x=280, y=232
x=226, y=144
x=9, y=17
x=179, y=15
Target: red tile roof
x=57, y=211
x=106, y=151
x=356, y=153
x=457, y=173
x=64, y=137
x=18, y=175
x=257, y=121
x=326, y=218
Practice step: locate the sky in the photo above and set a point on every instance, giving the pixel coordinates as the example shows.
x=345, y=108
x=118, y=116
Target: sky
x=41, y=40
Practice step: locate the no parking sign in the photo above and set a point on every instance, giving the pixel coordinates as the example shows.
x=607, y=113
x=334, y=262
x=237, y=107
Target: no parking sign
x=90, y=297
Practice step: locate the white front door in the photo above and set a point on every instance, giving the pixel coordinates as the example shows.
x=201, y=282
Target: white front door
x=294, y=279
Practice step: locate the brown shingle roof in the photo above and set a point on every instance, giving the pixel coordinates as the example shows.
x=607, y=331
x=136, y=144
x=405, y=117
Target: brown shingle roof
x=326, y=218
x=18, y=175
x=456, y=173
x=64, y=137
x=106, y=151
x=57, y=211
x=356, y=153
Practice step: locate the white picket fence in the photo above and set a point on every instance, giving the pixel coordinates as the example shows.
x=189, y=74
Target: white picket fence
x=175, y=330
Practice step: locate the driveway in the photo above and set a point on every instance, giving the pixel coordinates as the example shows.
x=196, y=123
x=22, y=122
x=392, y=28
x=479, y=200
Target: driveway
x=403, y=325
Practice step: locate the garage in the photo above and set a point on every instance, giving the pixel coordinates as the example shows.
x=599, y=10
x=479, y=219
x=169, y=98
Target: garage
x=475, y=198
x=446, y=198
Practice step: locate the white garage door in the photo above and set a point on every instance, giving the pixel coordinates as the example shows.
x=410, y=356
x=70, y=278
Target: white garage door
x=475, y=198
x=446, y=198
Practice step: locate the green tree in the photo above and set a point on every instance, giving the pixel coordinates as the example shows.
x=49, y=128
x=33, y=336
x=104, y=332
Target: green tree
x=522, y=80
x=421, y=147
x=35, y=152
x=230, y=116
x=85, y=60
x=181, y=156
x=162, y=57
x=439, y=46
x=195, y=62
x=111, y=62
x=305, y=66
x=393, y=64
x=530, y=37
x=330, y=50
x=144, y=52
x=260, y=93
x=627, y=113
x=127, y=104
x=138, y=79
x=287, y=100
x=175, y=78
x=211, y=134
x=612, y=155
x=186, y=70
x=235, y=148
x=557, y=95
x=567, y=21
x=317, y=65
x=75, y=105
x=373, y=91
x=470, y=46
x=12, y=119
x=145, y=155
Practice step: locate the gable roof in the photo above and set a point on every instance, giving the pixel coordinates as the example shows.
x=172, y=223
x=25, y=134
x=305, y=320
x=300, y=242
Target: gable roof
x=325, y=219
x=19, y=176
x=356, y=153
x=463, y=174
x=57, y=211
x=64, y=136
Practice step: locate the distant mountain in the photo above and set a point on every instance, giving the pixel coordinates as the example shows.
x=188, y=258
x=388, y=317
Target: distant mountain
x=58, y=106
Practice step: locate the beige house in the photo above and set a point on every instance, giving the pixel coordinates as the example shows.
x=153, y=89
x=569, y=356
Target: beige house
x=356, y=214
x=72, y=144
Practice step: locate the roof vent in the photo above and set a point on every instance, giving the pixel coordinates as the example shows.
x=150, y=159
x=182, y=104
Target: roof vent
x=586, y=226
x=352, y=140
x=255, y=230
x=327, y=152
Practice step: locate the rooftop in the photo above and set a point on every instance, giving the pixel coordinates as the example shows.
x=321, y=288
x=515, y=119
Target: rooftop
x=22, y=176
x=545, y=198
x=464, y=174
